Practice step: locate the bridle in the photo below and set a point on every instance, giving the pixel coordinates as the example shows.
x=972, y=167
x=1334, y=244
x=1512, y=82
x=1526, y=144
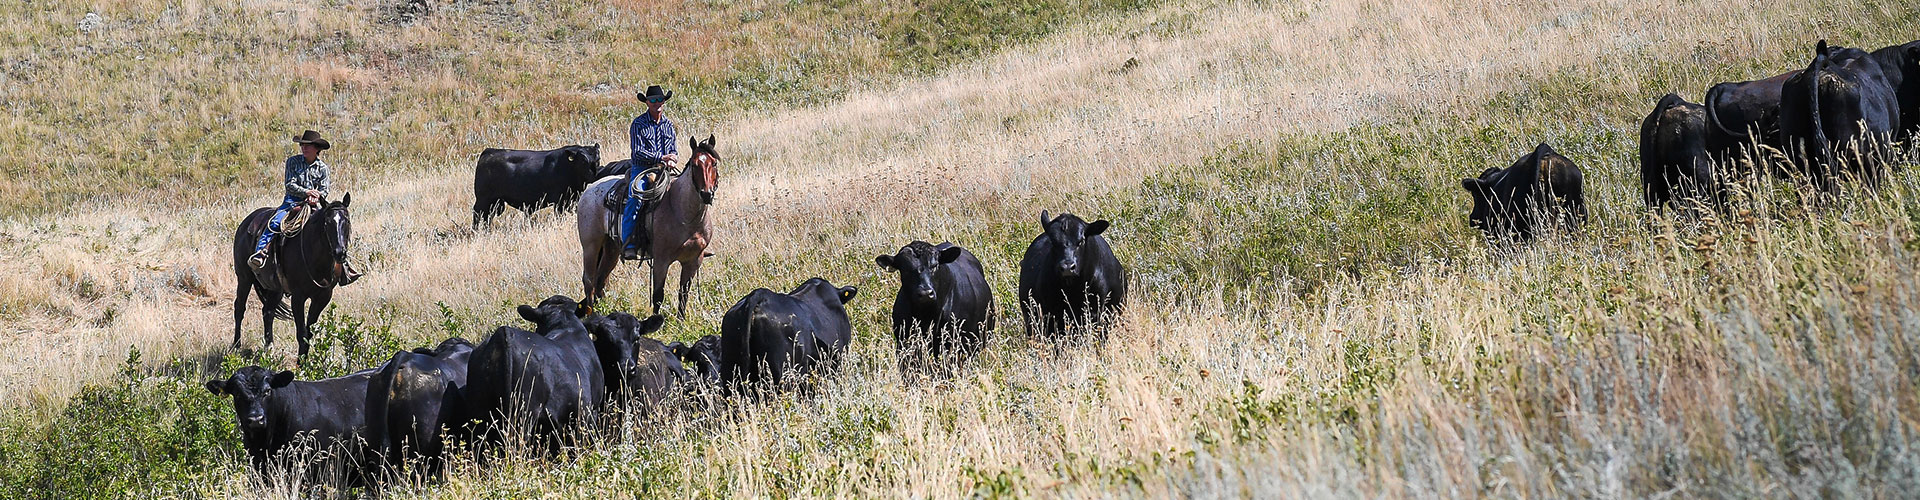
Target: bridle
x=324, y=216
x=706, y=164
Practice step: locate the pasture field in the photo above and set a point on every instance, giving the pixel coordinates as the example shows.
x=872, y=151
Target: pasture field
x=1310, y=315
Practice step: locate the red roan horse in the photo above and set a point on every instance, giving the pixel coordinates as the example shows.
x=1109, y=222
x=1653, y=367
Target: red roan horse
x=681, y=230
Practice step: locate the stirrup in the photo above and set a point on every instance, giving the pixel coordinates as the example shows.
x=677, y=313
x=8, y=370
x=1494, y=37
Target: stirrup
x=258, y=260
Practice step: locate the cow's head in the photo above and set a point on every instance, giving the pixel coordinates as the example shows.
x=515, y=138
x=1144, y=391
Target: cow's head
x=446, y=348
x=614, y=339
x=702, y=358
x=1502, y=197
x=556, y=312
x=582, y=161
x=1481, y=188
x=1069, y=235
x=917, y=262
x=250, y=387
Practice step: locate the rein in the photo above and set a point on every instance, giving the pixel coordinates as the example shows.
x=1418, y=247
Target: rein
x=301, y=248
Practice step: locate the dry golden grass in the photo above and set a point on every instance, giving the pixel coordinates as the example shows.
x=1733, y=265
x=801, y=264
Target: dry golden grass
x=1762, y=356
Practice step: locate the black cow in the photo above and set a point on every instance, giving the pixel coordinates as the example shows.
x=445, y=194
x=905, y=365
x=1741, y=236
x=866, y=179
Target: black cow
x=640, y=371
x=780, y=339
x=1839, y=115
x=325, y=418
x=1674, y=163
x=1068, y=276
x=416, y=398
x=548, y=380
x=944, y=307
x=1900, y=64
x=529, y=180
x=1508, y=203
x=1743, y=115
x=701, y=359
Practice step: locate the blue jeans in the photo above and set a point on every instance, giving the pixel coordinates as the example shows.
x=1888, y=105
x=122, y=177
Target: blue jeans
x=630, y=215
x=273, y=225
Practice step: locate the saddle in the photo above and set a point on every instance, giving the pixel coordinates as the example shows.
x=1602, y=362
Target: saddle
x=270, y=275
x=616, y=199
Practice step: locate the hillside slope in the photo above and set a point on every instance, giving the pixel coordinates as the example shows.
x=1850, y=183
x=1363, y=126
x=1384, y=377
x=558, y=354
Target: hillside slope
x=1314, y=318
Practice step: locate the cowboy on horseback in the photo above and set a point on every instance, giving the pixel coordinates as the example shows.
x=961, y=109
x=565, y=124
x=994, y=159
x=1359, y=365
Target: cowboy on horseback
x=654, y=152
x=307, y=183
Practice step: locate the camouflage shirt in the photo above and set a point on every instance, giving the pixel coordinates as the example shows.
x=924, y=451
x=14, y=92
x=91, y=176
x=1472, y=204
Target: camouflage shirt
x=302, y=176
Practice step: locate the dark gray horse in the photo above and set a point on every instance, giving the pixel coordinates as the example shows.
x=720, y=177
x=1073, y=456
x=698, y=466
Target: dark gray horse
x=681, y=230
x=306, y=265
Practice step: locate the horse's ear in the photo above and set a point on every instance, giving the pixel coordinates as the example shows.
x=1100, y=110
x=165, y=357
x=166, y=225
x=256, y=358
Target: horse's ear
x=709, y=141
x=346, y=199
x=693, y=143
x=1045, y=219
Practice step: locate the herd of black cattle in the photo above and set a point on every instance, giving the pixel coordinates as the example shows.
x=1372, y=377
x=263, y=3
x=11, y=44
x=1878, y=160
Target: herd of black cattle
x=1840, y=117
x=576, y=366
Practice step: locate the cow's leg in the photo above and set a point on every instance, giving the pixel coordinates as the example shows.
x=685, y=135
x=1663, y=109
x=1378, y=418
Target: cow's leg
x=483, y=212
x=240, y=308
x=659, y=266
x=688, y=269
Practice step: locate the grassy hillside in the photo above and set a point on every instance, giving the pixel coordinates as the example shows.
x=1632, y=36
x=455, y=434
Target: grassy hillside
x=1313, y=318
x=156, y=99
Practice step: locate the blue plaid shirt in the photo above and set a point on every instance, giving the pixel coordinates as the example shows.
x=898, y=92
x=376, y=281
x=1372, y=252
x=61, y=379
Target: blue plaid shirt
x=652, y=140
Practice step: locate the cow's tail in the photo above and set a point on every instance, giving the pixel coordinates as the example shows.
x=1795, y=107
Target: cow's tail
x=1822, y=152
x=1713, y=98
x=1651, y=173
x=379, y=392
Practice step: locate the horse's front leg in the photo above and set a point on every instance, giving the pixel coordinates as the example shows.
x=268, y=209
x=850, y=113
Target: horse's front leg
x=688, y=269
x=300, y=322
x=659, y=266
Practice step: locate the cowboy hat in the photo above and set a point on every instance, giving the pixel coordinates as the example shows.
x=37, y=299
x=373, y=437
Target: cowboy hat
x=653, y=92
x=311, y=137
